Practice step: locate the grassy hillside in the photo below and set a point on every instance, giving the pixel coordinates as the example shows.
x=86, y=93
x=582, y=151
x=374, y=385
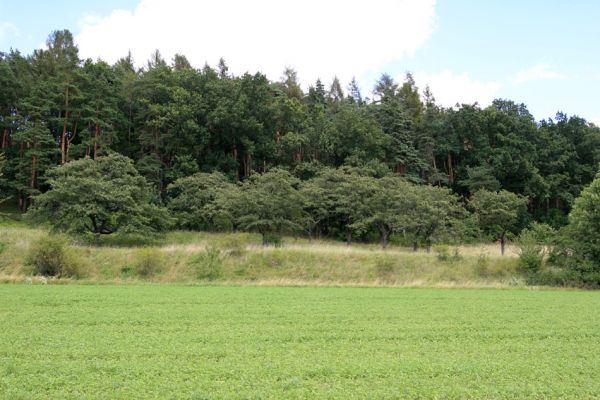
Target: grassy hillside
x=195, y=342
x=189, y=257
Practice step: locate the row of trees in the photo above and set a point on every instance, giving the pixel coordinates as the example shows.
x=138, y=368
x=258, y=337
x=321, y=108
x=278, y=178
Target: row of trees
x=108, y=195
x=174, y=121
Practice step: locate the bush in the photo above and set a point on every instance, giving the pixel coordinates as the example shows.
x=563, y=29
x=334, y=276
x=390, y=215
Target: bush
x=274, y=239
x=531, y=251
x=50, y=257
x=148, y=262
x=443, y=253
x=208, y=264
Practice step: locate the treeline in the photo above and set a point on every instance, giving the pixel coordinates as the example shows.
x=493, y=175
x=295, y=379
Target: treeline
x=174, y=120
x=91, y=198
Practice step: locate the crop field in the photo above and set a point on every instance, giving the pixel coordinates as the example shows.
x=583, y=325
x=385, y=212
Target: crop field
x=216, y=342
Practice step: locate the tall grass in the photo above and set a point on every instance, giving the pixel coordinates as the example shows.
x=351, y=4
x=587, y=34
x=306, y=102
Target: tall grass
x=190, y=257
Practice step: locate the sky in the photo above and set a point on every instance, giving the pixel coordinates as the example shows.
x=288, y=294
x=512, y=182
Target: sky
x=544, y=53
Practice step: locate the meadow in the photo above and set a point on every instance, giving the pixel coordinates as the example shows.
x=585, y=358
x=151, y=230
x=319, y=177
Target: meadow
x=239, y=258
x=250, y=342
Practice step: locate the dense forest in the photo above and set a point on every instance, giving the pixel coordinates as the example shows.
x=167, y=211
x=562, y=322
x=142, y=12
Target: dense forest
x=174, y=120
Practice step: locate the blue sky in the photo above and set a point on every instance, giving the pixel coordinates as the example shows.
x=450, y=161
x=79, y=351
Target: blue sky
x=543, y=53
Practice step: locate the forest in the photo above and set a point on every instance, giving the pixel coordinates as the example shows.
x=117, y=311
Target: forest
x=97, y=149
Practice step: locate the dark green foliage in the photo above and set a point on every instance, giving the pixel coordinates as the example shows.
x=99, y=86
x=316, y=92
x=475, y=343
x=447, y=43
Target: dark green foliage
x=191, y=133
x=200, y=201
x=270, y=204
x=498, y=213
x=578, y=244
x=99, y=197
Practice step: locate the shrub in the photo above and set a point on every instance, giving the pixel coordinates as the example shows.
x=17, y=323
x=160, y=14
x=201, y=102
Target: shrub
x=482, y=265
x=50, y=257
x=208, y=264
x=443, y=253
x=148, y=262
x=531, y=247
x=273, y=239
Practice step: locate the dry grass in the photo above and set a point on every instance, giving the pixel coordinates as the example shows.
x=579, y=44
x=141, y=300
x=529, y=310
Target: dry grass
x=243, y=260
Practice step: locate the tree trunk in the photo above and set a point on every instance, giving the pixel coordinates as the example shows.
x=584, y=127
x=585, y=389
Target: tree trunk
x=63, y=136
x=428, y=246
x=96, y=136
x=502, y=243
x=415, y=246
x=348, y=237
x=5, y=138
x=384, y=238
x=33, y=172
x=450, y=170
x=237, y=169
x=265, y=243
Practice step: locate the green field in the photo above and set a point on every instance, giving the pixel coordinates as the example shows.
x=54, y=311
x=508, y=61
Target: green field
x=203, y=342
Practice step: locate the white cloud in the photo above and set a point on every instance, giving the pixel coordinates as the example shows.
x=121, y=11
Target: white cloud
x=8, y=30
x=317, y=38
x=537, y=72
x=450, y=88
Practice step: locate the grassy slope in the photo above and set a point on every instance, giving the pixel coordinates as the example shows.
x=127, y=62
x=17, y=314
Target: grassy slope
x=179, y=259
x=164, y=341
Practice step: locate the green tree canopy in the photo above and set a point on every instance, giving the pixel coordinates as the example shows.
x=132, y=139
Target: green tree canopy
x=498, y=213
x=100, y=197
x=270, y=203
x=199, y=201
x=579, y=244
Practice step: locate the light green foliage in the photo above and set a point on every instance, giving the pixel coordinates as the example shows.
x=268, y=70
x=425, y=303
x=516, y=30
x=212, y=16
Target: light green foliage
x=384, y=203
x=442, y=252
x=498, y=213
x=270, y=203
x=50, y=256
x=531, y=252
x=208, y=264
x=432, y=212
x=100, y=196
x=140, y=342
x=393, y=205
x=201, y=201
x=533, y=245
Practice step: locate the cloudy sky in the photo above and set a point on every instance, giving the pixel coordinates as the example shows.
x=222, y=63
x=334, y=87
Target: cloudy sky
x=545, y=53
